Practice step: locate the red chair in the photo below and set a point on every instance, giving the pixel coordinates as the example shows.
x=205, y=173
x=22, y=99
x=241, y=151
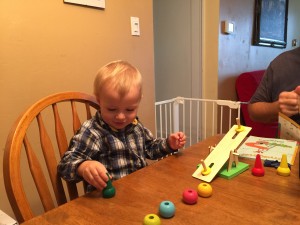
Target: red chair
x=246, y=85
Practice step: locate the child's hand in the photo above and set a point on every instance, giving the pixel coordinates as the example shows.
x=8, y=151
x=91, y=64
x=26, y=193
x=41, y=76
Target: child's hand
x=94, y=173
x=176, y=140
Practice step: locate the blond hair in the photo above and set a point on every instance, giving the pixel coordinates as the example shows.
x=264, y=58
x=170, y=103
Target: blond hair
x=121, y=75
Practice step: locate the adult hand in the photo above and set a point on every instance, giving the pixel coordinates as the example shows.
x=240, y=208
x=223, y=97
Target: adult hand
x=288, y=102
x=297, y=90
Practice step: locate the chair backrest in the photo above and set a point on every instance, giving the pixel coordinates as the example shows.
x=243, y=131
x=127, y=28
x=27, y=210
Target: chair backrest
x=246, y=85
x=40, y=135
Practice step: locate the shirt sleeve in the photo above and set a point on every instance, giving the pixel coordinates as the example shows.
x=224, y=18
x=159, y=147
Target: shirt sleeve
x=82, y=147
x=156, y=147
x=263, y=92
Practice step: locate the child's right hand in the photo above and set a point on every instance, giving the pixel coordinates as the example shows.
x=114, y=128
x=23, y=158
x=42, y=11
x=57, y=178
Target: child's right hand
x=94, y=173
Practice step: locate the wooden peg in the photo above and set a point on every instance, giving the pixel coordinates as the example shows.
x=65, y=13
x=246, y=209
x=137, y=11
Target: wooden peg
x=203, y=165
x=230, y=161
x=210, y=149
x=238, y=122
x=206, y=170
x=236, y=158
x=239, y=126
x=233, y=158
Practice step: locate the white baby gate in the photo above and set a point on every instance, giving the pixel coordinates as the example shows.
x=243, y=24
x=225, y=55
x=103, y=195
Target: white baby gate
x=197, y=118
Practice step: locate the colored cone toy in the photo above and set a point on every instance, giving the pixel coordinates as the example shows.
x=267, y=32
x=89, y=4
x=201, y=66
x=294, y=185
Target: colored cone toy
x=283, y=168
x=258, y=169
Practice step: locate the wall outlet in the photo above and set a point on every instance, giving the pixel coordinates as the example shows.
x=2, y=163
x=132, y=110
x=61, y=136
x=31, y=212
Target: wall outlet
x=135, y=26
x=294, y=42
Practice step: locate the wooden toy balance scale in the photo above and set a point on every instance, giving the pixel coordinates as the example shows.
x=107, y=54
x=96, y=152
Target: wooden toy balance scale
x=223, y=152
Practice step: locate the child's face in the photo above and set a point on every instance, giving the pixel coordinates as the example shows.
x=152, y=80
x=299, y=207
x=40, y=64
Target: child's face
x=118, y=112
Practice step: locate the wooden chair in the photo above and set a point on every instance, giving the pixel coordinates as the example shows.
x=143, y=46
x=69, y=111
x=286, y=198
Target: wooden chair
x=44, y=115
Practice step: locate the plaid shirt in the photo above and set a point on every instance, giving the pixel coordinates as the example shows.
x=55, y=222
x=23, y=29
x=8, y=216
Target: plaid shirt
x=121, y=152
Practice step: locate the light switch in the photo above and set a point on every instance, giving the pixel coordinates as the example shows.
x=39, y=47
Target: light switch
x=228, y=27
x=135, y=26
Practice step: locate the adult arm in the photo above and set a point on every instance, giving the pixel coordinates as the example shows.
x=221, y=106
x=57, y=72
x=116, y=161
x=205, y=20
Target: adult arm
x=268, y=111
x=265, y=112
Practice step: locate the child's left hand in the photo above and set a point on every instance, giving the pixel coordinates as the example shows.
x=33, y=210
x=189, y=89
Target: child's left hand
x=176, y=140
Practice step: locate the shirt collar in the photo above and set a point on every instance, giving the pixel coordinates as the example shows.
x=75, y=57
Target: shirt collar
x=104, y=124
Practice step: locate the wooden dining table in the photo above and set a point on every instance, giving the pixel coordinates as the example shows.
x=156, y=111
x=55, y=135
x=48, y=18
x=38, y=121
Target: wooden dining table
x=244, y=199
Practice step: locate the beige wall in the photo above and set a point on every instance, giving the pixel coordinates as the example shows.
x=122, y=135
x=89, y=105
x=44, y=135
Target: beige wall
x=48, y=46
